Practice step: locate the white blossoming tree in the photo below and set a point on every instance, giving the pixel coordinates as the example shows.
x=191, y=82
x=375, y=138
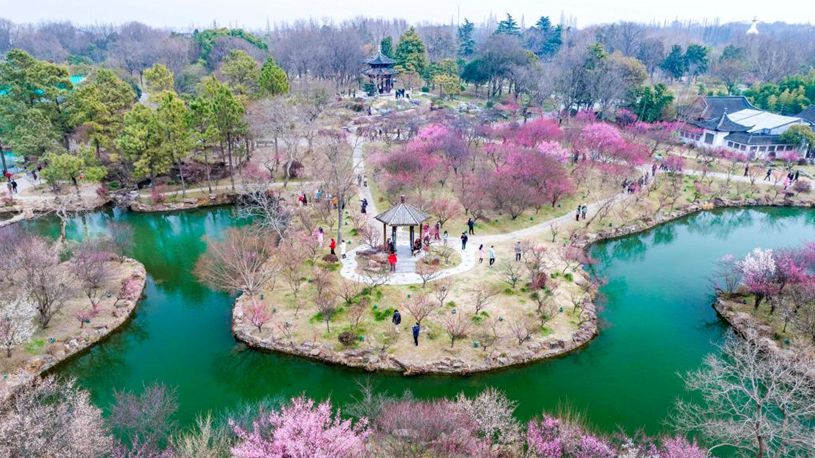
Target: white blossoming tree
x=17, y=324
x=758, y=273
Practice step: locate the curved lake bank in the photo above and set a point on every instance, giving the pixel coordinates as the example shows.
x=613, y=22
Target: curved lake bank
x=658, y=315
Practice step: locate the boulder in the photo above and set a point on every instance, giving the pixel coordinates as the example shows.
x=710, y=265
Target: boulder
x=57, y=350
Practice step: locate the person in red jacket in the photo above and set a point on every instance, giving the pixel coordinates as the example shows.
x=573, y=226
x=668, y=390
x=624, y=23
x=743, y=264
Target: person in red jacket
x=332, y=245
x=392, y=261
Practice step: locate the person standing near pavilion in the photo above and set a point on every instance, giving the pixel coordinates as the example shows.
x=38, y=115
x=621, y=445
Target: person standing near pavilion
x=332, y=245
x=392, y=261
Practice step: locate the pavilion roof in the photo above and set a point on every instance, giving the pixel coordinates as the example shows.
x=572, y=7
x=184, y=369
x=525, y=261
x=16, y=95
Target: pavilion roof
x=403, y=215
x=380, y=59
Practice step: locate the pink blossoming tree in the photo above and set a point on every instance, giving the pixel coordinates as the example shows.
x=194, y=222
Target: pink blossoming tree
x=302, y=430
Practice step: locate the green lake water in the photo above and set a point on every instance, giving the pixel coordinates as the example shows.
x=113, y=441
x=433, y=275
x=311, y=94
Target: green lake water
x=657, y=322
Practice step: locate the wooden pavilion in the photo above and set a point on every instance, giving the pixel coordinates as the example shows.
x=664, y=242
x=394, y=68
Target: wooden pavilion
x=403, y=214
x=381, y=73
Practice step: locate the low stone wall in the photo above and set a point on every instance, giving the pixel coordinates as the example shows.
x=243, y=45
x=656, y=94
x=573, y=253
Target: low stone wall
x=371, y=359
x=184, y=204
x=648, y=221
x=60, y=351
x=743, y=323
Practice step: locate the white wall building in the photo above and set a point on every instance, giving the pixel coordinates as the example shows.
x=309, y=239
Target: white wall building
x=733, y=123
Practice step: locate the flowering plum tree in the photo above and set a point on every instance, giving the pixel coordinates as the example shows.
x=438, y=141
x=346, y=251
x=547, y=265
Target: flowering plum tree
x=535, y=132
x=302, y=430
x=16, y=321
x=52, y=418
x=258, y=313
x=758, y=271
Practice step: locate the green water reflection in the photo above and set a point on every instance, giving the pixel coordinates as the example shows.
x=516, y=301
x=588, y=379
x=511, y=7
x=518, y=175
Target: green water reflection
x=657, y=322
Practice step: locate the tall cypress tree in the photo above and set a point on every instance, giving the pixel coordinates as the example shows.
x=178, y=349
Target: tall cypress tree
x=508, y=27
x=466, y=43
x=411, y=54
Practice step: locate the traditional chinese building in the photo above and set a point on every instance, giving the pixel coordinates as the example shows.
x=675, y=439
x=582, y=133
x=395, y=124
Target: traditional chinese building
x=733, y=122
x=381, y=73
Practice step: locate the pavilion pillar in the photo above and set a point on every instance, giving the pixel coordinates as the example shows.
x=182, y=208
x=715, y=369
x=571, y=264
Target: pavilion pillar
x=411, y=238
x=385, y=235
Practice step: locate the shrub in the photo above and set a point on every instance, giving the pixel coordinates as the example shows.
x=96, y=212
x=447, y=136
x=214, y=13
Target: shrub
x=157, y=197
x=347, y=338
x=802, y=186
x=103, y=192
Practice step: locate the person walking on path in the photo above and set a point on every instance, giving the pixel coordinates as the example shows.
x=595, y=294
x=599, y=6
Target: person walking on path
x=444, y=238
x=583, y=211
x=396, y=319
x=746, y=169
x=769, y=173
x=332, y=245
x=415, y=330
x=795, y=178
x=471, y=225
x=392, y=261
x=464, y=239
x=518, y=251
x=14, y=186
x=491, y=255
x=343, y=248
x=481, y=253
x=437, y=231
x=577, y=215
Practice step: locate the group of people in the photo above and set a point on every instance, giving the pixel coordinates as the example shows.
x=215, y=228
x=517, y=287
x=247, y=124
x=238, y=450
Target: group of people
x=792, y=175
x=631, y=186
x=401, y=93
x=319, y=235
x=361, y=180
x=582, y=209
x=396, y=319
x=12, y=184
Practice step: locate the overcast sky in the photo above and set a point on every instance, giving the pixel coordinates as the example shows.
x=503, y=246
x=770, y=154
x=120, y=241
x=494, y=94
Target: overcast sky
x=185, y=14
